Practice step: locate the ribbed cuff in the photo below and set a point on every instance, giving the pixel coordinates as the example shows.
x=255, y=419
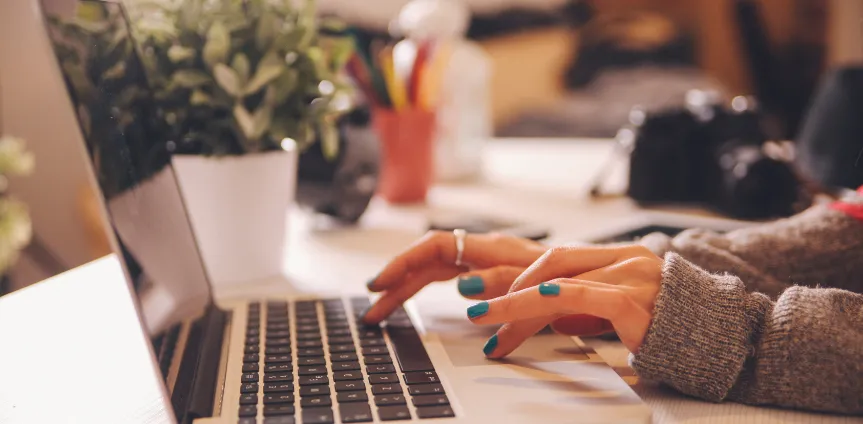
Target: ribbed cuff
x=699, y=338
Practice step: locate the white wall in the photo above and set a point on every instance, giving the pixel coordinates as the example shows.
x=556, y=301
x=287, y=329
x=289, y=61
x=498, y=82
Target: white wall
x=34, y=105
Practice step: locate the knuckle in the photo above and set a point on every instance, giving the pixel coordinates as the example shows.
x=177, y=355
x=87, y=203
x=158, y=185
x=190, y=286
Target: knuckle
x=556, y=254
x=639, y=250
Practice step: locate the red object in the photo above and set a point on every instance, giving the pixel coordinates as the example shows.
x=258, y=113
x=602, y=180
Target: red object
x=418, y=73
x=407, y=155
x=852, y=209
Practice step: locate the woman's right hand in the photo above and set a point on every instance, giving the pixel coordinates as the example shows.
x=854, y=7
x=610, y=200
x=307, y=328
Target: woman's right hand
x=491, y=262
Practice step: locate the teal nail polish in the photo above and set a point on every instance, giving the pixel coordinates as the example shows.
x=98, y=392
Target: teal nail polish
x=477, y=310
x=471, y=285
x=490, y=345
x=549, y=289
x=371, y=284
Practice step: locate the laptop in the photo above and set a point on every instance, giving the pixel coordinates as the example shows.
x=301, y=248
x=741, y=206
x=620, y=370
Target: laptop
x=290, y=359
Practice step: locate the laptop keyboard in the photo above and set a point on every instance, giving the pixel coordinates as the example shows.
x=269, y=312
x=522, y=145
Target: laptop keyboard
x=309, y=362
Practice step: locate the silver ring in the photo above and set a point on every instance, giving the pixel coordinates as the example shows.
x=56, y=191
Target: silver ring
x=459, y=235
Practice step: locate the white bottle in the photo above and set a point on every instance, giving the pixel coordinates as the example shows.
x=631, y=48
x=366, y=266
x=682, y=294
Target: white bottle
x=463, y=114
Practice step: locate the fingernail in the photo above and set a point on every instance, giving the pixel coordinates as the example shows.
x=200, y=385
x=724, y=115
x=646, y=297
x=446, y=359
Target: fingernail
x=490, y=345
x=471, y=285
x=363, y=313
x=549, y=289
x=371, y=284
x=477, y=310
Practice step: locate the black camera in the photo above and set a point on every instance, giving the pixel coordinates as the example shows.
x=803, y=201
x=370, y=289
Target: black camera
x=714, y=155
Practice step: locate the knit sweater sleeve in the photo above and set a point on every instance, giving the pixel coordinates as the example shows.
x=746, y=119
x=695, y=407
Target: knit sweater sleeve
x=820, y=246
x=712, y=339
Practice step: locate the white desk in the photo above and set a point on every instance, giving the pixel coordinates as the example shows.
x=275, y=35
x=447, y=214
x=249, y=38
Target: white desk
x=538, y=181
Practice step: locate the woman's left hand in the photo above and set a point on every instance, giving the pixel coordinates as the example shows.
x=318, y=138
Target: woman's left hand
x=614, y=283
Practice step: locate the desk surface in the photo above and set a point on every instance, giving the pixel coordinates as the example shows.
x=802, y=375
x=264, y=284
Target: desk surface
x=535, y=181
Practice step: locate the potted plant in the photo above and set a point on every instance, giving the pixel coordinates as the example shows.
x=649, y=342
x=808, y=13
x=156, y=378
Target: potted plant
x=15, y=225
x=235, y=90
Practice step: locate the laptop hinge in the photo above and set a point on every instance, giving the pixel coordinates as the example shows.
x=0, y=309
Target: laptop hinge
x=195, y=388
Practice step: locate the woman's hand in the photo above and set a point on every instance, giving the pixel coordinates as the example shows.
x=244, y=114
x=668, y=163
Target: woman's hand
x=494, y=262
x=618, y=284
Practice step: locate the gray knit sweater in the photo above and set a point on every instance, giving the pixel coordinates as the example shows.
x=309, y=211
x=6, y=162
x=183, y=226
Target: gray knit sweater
x=768, y=315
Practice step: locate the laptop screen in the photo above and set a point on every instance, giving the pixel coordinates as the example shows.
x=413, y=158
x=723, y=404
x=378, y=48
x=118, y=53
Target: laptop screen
x=109, y=92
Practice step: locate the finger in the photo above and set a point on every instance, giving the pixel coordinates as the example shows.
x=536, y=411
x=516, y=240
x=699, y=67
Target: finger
x=569, y=297
x=581, y=325
x=438, y=247
x=488, y=283
x=570, y=261
x=396, y=296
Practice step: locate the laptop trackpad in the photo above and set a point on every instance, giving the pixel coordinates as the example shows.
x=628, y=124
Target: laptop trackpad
x=442, y=314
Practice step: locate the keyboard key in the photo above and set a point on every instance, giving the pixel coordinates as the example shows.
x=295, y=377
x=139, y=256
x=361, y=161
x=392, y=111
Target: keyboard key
x=278, y=334
x=425, y=389
x=249, y=377
x=252, y=349
x=278, y=368
x=307, y=321
x=352, y=397
x=308, y=328
x=372, y=342
x=250, y=367
x=278, y=350
x=409, y=350
x=248, y=420
x=339, y=340
x=308, y=313
x=344, y=357
x=312, y=370
x=249, y=388
x=430, y=400
x=346, y=366
x=278, y=387
x=281, y=341
x=318, y=416
x=332, y=325
x=350, y=386
x=251, y=357
x=279, y=377
x=380, y=369
x=278, y=327
x=311, y=361
x=313, y=380
x=278, y=398
x=284, y=409
x=421, y=377
x=375, y=350
x=355, y=412
x=342, y=349
x=378, y=359
x=248, y=410
x=387, y=389
x=253, y=340
x=302, y=353
x=308, y=336
x=277, y=359
x=280, y=419
x=435, y=411
x=249, y=399
x=314, y=390
x=305, y=344
x=253, y=332
x=313, y=401
x=383, y=379
x=390, y=413
x=386, y=400
x=370, y=333
x=339, y=332
x=347, y=375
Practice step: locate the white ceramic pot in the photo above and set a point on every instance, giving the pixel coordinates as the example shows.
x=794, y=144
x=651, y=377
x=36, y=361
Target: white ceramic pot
x=239, y=209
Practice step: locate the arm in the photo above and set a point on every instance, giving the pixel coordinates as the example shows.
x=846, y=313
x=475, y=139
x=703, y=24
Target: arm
x=711, y=339
x=820, y=245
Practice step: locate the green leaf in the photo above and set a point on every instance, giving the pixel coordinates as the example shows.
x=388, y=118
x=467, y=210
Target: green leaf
x=227, y=79
x=279, y=90
x=199, y=98
x=190, y=14
x=241, y=67
x=269, y=68
x=189, y=78
x=115, y=72
x=329, y=139
x=179, y=53
x=262, y=118
x=218, y=44
x=244, y=120
x=266, y=31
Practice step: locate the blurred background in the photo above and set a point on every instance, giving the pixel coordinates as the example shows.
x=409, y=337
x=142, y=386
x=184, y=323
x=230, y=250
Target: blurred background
x=556, y=69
